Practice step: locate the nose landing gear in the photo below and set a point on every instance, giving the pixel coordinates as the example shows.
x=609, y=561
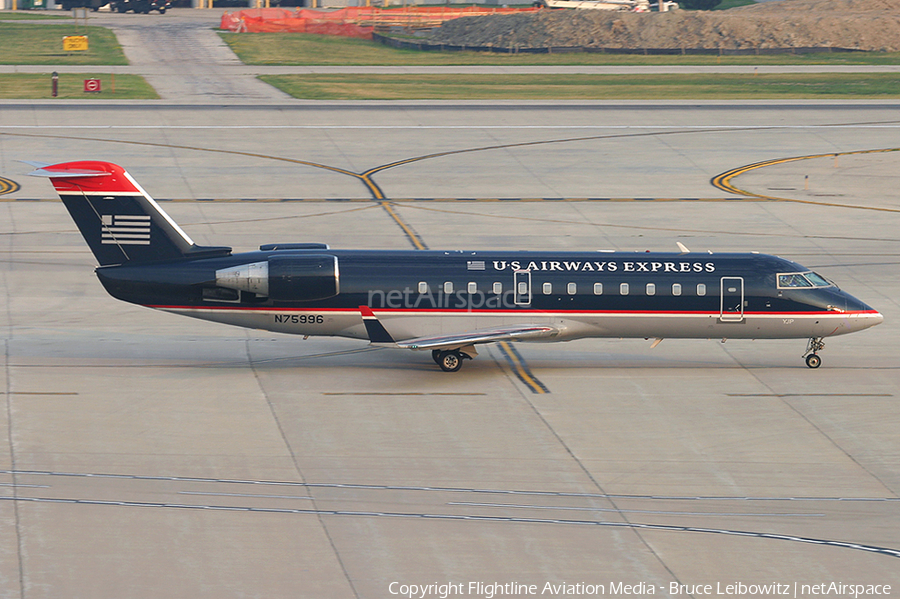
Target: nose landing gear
x=815, y=345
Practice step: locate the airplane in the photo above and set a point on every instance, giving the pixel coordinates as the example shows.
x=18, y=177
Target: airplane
x=445, y=302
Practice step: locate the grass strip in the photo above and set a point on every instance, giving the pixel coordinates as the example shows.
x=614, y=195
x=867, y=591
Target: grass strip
x=29, y=16
x=22, y=86
x=301, y=49
x=587, y=87
x=29, y=43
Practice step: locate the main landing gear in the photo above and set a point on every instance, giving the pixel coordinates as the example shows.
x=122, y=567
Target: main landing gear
x=449, y=360
x=812, y=359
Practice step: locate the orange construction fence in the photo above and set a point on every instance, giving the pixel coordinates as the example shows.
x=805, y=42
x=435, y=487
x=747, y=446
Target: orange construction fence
x=351, y=21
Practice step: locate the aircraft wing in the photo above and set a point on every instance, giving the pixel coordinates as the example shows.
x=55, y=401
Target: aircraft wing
x=510, y=333
x=527, y=332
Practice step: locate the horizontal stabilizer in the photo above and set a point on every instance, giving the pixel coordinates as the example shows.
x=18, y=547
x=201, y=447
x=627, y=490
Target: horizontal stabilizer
x=35, y=163
x=68, y=174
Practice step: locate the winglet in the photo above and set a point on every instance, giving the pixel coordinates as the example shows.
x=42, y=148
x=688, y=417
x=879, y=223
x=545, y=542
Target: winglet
x=376, y=331
x=683, y=248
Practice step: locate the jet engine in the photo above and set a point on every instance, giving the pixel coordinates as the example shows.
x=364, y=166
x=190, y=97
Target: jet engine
x=297, y=277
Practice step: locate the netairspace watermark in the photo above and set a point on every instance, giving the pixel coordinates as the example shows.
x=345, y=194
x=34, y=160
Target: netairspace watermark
x=410, y=299
x=492, y=590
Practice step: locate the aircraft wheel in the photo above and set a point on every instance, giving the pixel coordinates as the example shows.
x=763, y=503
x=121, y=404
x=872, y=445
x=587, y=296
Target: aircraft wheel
x=436, y=356
x=813, y=361
x=450, y=361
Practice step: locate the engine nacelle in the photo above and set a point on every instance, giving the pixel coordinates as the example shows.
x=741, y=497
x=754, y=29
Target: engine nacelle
x=292, y=278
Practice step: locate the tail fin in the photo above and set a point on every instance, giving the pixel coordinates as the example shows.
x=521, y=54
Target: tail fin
x=117, y=218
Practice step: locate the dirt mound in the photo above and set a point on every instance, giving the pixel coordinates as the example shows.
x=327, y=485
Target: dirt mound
x=872, y=25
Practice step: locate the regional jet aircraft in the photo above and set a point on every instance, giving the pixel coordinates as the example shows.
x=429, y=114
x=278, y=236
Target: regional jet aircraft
x=445, y=302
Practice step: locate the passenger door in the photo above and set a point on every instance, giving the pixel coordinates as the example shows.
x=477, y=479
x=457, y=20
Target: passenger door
x=522, y=286
x=731, y=306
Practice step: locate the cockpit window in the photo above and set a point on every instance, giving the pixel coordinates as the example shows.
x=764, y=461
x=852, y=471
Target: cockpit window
x=818, y=280
x=793, y=280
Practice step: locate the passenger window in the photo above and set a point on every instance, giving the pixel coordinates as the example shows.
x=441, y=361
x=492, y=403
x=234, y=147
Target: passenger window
x=623, y=289
x=651, y=288
x=701, y=289
x=498, y=288
x=571, y=289
x=598, y=288
x=473, y=287
x=423, y=287
x=448, y=287
x=548, y=288
x=523, y=288
x=676, y=288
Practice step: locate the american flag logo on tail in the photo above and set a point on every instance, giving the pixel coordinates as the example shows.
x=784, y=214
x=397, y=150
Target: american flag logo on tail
x=125, y=229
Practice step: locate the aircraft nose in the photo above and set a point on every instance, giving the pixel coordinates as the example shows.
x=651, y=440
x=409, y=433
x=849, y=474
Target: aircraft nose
x=864, y=320
x=861, y=315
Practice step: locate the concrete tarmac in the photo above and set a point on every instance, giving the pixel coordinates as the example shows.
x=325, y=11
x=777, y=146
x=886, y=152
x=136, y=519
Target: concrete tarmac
x=149, y=455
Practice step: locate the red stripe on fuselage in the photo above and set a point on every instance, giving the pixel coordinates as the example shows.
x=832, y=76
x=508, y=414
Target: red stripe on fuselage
x=437, y=311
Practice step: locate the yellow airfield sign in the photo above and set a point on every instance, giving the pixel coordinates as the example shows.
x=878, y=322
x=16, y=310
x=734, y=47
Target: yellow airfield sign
x=75, y=43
